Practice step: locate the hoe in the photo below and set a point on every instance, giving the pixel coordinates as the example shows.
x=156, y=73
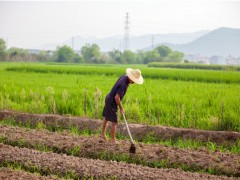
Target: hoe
x=132, y=148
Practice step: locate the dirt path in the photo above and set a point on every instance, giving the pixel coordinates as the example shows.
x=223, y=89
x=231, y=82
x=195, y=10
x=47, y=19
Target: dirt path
x=9, y=174
x=94, y=147
x=138, y=131
x=54, y=163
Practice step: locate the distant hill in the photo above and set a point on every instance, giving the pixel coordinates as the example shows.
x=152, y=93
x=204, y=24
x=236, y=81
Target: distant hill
x=136, y=42
x=222, y=42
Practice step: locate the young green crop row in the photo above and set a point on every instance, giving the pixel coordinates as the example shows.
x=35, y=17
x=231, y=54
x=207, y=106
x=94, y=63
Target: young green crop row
x=152, y=73
x=194, y=66
x=189, y=104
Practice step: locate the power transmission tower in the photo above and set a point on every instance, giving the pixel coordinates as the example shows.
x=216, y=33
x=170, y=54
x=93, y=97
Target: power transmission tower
x=126, y=34
x=73, y=42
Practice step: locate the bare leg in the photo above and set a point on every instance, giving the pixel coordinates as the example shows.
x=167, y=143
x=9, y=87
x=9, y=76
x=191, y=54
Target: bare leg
x=112, y=132
x=103, y=133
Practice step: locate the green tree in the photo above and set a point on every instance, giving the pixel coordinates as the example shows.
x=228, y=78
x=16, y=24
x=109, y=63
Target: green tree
x=164, y=51
x=175, y=56
x=3, y=49
x=64, y=54
x=115, y=56
x=18, y=54
x=43, y=56
x=151, y=56
x=78, y=59
x=140, y=57
x=103, y=59
x=128, y=57
x=91, y=53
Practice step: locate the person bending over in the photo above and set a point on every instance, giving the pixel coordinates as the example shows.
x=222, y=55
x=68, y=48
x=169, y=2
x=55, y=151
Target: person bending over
x=114, y=98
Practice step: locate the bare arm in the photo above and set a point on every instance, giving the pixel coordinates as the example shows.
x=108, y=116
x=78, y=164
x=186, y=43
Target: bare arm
x=118, y=101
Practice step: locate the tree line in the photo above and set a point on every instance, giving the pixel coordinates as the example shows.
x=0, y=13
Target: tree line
x=91, y=53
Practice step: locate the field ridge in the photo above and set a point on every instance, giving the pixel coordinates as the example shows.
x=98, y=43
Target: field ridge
x=139, y=131
x=151, y=155
x=61, y=164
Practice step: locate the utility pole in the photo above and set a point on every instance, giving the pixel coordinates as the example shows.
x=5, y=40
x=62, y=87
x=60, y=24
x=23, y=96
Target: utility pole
x=7, y=43
x=152, y=41
x=120, y=46
x=126, y=34
x=73, y=42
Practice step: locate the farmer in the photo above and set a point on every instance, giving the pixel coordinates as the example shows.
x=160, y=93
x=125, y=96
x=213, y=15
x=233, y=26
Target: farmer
x=114, y=98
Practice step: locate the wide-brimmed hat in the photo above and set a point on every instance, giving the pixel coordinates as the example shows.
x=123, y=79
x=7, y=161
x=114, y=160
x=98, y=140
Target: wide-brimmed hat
x=135, y=75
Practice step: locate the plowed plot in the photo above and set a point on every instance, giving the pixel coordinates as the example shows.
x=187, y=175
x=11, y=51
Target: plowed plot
x=52, y=163
x=149, y=155
x=138, y=131
x=9, y=174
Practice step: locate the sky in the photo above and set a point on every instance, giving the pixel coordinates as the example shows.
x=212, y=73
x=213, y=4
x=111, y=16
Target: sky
x=26, y=24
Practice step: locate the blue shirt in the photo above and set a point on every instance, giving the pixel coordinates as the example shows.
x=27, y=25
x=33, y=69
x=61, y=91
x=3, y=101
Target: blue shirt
x=120, y=88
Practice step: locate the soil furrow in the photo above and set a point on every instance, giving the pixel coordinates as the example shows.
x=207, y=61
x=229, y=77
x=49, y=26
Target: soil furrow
x=138, y=131
x=9, y=174
x=62, y=164
x=150, y=155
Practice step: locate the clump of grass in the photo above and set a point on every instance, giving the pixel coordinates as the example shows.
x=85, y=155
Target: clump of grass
x=41, y=125
x=75, y=151
x=193, y=144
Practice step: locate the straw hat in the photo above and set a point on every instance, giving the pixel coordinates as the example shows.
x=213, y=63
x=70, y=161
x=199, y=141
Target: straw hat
x=135, y=75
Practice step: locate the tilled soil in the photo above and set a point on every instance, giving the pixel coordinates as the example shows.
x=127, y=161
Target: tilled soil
x=54, y=163
x=138, y=131
x=94, y=146
x=9, y=174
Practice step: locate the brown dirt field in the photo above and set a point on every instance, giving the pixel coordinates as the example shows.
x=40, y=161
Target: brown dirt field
x=9, y=174
x=94, y=146
x=138, y=131
x=60, y=163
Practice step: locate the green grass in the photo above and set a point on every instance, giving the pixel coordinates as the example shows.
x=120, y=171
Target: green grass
x=194, y=66
x=117, y=70
x=195, y=144
x=192, y=103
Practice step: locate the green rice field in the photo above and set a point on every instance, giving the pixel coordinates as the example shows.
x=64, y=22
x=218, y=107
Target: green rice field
x=189, y=98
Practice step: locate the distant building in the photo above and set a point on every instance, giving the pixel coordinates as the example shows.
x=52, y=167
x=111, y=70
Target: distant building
x=217, y=60
x=50, y=52
x=37, y=51
x=197, y=58
x=201, y=59
x=230, y=60
x=33, y=51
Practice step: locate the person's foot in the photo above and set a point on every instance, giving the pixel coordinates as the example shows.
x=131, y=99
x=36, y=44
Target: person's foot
x=113, y=141
x=103, y=137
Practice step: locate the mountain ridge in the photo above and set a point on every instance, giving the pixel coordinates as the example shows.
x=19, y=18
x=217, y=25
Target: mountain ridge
x=223, y=41
x=116, y=42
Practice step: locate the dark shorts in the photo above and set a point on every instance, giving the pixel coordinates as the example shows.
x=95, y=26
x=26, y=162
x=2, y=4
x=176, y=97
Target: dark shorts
x=110, y=111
